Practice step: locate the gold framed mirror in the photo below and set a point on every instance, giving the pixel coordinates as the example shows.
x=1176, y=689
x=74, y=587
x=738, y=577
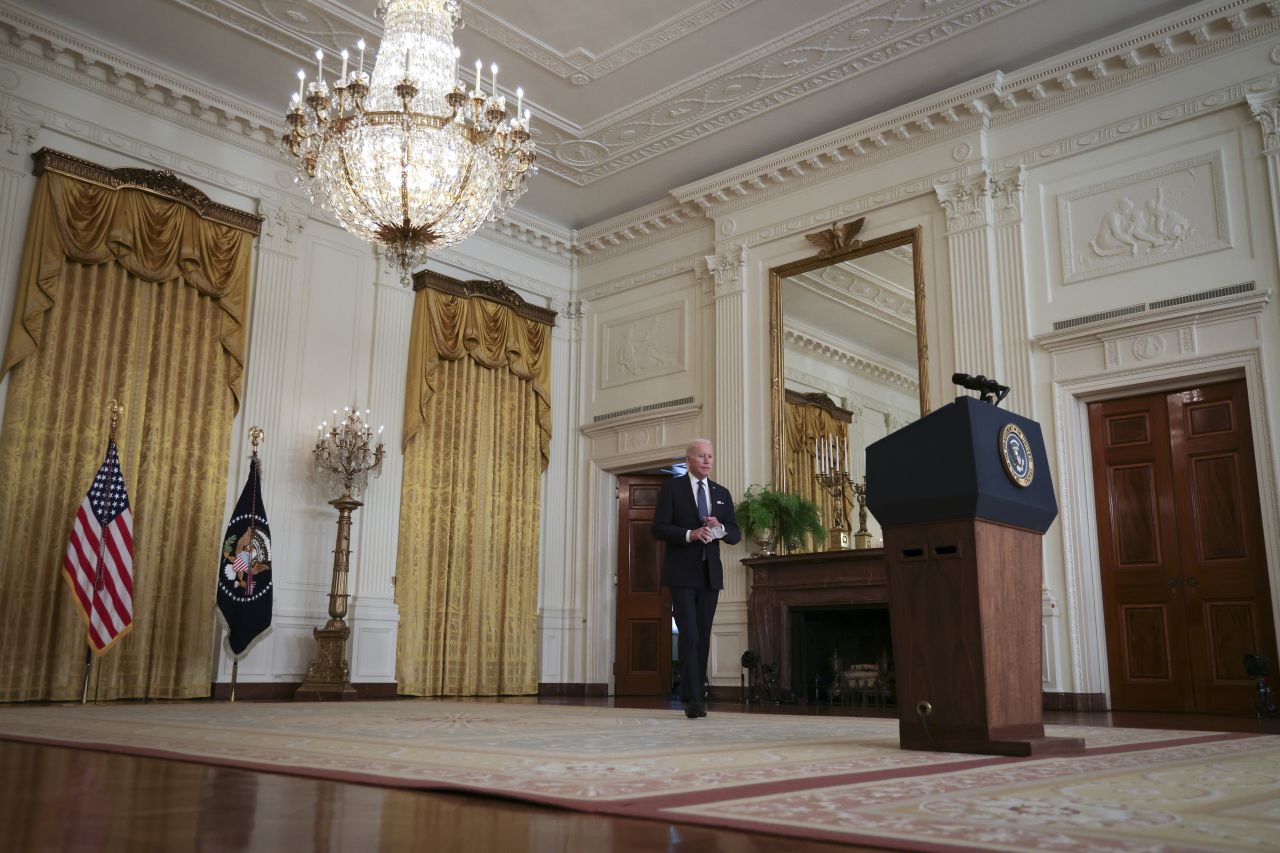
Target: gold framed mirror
x=849, y=356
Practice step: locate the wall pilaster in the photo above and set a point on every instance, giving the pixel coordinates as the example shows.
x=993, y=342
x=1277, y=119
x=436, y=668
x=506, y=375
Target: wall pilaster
x=971, y=254
x=1265, y=107
x=1011, y=278
x=562, y=580
x=727, y=272
x=16, y=185
x=374, y=616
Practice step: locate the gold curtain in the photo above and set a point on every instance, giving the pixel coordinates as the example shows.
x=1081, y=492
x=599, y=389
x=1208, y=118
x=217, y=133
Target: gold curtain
x=129, y=295
x=476, y=440
x=807, y=424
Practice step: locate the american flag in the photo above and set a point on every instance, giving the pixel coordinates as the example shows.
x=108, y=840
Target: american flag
x=99, y=561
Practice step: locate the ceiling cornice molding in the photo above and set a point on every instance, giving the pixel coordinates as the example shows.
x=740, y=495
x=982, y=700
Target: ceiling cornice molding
x=860, y=363
x=962, y=108
x=1136, y=124
x=463, y=264
x=528, y=232
x=671, y=269
x=1125, y=59
x=89, y=64
x=875, y=298
x=644, y=226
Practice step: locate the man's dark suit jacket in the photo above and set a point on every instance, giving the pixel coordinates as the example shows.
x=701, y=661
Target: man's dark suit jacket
x=676, y=514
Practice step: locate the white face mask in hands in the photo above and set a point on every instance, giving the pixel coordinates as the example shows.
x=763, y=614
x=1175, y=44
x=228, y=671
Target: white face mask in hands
x=717, y=531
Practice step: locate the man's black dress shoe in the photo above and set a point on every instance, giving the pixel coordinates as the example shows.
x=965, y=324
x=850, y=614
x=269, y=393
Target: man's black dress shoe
x=693, y=710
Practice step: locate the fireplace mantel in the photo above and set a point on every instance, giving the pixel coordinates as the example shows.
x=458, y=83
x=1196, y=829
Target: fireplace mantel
x=822, y=579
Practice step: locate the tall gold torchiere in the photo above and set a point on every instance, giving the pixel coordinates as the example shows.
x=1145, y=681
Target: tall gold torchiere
x=345, y=459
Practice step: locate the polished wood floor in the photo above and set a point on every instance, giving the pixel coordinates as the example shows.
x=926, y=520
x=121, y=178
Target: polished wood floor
x=54, y=799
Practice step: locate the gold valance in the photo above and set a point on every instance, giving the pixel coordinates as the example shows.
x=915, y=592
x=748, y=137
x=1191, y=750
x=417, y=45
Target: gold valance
x=487, y=321
x=151, y=224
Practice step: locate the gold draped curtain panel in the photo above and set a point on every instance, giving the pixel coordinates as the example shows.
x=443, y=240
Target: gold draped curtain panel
x=133, y=286
x=477, y=434
x=815, y=421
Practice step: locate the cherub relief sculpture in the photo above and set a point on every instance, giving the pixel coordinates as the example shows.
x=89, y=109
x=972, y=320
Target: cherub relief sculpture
x=1127, y=228
x=636, y=356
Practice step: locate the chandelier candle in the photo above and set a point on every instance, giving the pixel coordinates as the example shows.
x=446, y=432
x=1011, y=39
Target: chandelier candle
x=468, y=160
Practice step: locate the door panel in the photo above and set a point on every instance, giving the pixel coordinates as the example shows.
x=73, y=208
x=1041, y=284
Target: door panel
x=1184, y=575
x=1224, y=565
x=642, y=656
x=1138, y=544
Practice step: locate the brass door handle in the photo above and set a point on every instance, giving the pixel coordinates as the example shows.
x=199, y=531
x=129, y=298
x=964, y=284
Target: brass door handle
x=1172, y=583
x=1193, y=581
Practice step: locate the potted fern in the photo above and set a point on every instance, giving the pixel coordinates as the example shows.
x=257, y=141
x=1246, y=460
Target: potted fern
x=772, y=516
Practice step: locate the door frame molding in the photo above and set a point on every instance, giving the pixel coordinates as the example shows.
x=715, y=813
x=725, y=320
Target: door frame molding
x=1159, y=350
x=618, y=445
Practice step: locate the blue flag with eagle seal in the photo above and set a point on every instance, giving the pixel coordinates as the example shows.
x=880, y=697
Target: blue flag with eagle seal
x=244, y=571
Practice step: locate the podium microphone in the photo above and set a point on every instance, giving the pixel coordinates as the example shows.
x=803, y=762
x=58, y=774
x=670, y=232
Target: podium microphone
x=991, y=390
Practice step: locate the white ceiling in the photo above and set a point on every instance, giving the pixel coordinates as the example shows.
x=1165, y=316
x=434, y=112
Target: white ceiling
x=634, y=97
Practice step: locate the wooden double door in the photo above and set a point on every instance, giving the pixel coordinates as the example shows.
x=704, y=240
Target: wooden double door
x=1184, y=570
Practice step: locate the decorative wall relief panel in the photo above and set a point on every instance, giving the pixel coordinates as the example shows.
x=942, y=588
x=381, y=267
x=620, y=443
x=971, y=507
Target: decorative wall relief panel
x=642, y=346
x=1161, y=214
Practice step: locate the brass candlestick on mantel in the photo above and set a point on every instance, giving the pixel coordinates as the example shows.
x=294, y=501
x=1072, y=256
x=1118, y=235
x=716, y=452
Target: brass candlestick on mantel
x=830, y=458
x=833, y=484
x=345, y=459
x=861, y=539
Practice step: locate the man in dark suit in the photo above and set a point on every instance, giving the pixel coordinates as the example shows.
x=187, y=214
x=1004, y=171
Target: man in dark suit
x=692, y=516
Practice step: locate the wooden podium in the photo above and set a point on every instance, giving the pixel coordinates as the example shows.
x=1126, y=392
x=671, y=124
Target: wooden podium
x=964, y=496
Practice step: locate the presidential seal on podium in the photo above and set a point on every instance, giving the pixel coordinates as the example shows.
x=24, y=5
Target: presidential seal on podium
x=1015, y=453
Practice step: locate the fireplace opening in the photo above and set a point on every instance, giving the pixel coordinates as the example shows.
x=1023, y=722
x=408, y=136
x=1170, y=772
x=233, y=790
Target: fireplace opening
x=842, y=655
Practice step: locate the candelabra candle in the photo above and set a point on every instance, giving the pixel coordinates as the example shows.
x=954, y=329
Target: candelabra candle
x=346, y=456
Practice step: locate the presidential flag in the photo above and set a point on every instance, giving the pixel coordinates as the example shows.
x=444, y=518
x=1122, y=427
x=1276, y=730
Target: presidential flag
x=99, y=561
x=244, y=570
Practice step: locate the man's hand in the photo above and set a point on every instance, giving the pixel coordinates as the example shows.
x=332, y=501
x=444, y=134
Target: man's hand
x=702, y=534
x=712, y=522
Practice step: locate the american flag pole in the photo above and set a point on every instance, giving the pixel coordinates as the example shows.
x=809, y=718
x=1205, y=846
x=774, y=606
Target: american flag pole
x=88, y=646
x=116, y=409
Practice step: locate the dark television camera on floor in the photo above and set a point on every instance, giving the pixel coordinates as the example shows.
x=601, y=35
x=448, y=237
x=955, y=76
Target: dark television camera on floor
x=1259, y=667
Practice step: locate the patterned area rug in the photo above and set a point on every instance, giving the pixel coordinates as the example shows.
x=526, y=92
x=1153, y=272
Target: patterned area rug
x=838, y=779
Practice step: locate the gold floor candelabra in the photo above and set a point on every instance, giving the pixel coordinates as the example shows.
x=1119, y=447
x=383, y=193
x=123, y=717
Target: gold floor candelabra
x=345, y=459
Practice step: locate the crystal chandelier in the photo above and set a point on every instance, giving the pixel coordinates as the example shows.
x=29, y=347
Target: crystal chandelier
x=345, y=454
x=410, y=158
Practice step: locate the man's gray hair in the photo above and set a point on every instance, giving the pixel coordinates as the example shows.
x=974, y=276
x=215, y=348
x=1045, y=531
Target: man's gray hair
x=688, y=451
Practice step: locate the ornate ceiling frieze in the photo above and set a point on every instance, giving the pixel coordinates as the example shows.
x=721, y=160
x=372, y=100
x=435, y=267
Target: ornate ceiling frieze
x=581, y=66
x=29, y=40
x=825, y=52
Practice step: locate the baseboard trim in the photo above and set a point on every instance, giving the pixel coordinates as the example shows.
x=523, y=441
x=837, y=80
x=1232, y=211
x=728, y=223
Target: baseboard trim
x=1074, y=701
x=282, y=691
x=560, y=690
